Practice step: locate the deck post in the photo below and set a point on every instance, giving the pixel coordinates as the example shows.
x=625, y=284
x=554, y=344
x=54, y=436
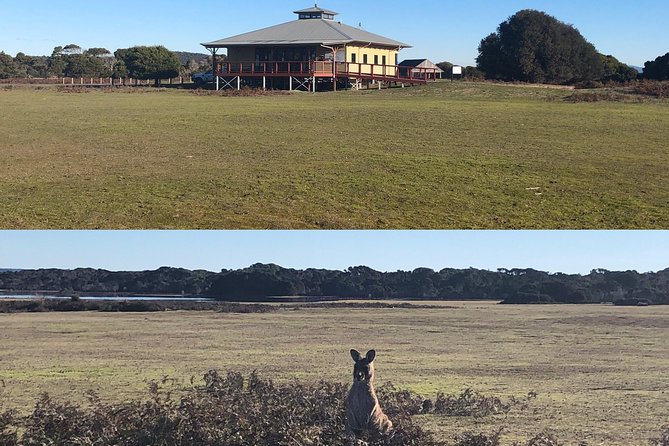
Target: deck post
x=314, y=79
x=218, y=85
x=264, y=82
x=239, y=82
x=290, y=83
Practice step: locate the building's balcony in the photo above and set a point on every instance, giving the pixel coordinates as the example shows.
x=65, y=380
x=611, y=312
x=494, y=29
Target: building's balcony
x=327, y=69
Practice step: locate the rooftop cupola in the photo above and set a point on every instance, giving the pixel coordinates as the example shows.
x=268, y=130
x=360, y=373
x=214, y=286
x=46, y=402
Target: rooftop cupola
x=316, y=13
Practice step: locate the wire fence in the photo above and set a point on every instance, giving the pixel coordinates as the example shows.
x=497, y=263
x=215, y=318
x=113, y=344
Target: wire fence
x=94, y=81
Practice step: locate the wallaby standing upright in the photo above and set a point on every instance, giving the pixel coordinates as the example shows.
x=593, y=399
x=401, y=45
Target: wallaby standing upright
x=363, y=411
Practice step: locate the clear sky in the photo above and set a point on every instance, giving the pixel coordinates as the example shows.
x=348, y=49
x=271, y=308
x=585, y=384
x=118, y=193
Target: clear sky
x=633, y=31
x=554, y=251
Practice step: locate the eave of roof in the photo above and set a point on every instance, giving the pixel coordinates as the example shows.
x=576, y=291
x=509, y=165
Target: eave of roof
x=306, y=32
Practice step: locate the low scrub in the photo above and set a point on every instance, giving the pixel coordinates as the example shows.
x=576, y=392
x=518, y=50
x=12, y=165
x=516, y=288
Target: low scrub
x=658, y=89
x=234, y=410
x=473, y=439
x=544, y=439
x=129, y=306
x=471, y=403
x=227, y=410
x=663, y=439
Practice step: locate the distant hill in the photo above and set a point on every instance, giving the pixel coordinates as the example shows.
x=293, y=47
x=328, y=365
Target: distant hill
x=184, y=57
x=639, y=69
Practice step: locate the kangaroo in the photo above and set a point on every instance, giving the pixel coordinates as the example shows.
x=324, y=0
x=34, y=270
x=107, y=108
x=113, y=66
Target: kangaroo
x=363, y=411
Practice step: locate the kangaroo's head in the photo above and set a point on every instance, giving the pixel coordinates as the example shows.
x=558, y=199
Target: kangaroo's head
x=363, y=370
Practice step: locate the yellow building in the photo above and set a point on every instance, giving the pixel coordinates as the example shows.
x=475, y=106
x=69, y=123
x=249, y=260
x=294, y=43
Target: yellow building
x=314, y=49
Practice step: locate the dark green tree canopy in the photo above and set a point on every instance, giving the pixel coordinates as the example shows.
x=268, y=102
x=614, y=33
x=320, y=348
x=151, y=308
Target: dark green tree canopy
x=80, y=65
x=533, y=46
x=7, y=68
x=261, y=281
x=98, y=52
x=149, y=62
x=616, y=71
x=657, y=69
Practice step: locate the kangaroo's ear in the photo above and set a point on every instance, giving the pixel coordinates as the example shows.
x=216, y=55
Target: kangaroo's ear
x=355, y=355
x=371, y=355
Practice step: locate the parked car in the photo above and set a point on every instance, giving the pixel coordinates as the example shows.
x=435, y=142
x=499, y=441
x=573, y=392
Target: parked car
x=203, y=78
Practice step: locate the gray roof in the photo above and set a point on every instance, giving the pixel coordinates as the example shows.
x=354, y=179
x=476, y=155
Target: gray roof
x=306, y=32
x=316, y=9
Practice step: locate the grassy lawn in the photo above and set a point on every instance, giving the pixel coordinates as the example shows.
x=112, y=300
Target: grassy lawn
x=601, y=372
x=459, y=155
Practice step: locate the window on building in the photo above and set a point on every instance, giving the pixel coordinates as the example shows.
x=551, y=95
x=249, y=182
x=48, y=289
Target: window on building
x=384, y=60
x=376, y=59
x=364, y=58
x=353, y=57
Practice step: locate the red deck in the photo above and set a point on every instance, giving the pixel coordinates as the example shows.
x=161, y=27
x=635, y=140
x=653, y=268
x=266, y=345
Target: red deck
x=342, y=70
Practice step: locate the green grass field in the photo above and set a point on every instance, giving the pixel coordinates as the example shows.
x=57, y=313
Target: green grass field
x=461, y=155
x=601, y=372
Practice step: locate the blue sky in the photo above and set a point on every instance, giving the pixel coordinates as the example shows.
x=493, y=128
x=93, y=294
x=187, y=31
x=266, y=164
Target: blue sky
x=554, y=251
x=634, y=32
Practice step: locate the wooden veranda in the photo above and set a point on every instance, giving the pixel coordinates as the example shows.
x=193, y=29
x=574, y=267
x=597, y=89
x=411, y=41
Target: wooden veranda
x=308, y=75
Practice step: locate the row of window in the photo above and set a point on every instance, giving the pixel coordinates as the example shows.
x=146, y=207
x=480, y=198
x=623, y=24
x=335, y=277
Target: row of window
x=316, y=15
x=365, y=59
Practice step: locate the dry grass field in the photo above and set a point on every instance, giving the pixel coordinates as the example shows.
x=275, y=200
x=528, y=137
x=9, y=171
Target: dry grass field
x=447, y=155
x=601, y=372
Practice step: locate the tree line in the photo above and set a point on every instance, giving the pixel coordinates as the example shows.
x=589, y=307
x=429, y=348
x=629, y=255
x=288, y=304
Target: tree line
x=531, y=46
x=139, y=62
x=261, y=281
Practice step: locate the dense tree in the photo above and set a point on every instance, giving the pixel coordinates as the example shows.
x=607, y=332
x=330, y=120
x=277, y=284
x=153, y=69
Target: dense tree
x=72, y=48
x=616, y=71
x=98, y=52
x=446, y=66
x=81, y=65
x=258, y=281
x=7, y=68
x=149, y=62
x=533, y=46
x=657, y=69
x=57, y=62
x=261, y=281
x=473, y=73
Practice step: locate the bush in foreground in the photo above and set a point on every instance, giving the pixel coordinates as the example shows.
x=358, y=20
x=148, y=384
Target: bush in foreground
x=663, y=439
x=226, y=410
x=234, y=410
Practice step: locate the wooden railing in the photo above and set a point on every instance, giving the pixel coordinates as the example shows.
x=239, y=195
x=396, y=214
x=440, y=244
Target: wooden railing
x=327, y=69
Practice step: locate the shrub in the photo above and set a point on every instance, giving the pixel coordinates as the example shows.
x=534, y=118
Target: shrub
x=67, y=305
x=652, y=88
x=544, y=439
x=470, y=403
x=234, y=410
x=8, y=435
x=663, y=440
x=471, y=439
x=226, y=410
